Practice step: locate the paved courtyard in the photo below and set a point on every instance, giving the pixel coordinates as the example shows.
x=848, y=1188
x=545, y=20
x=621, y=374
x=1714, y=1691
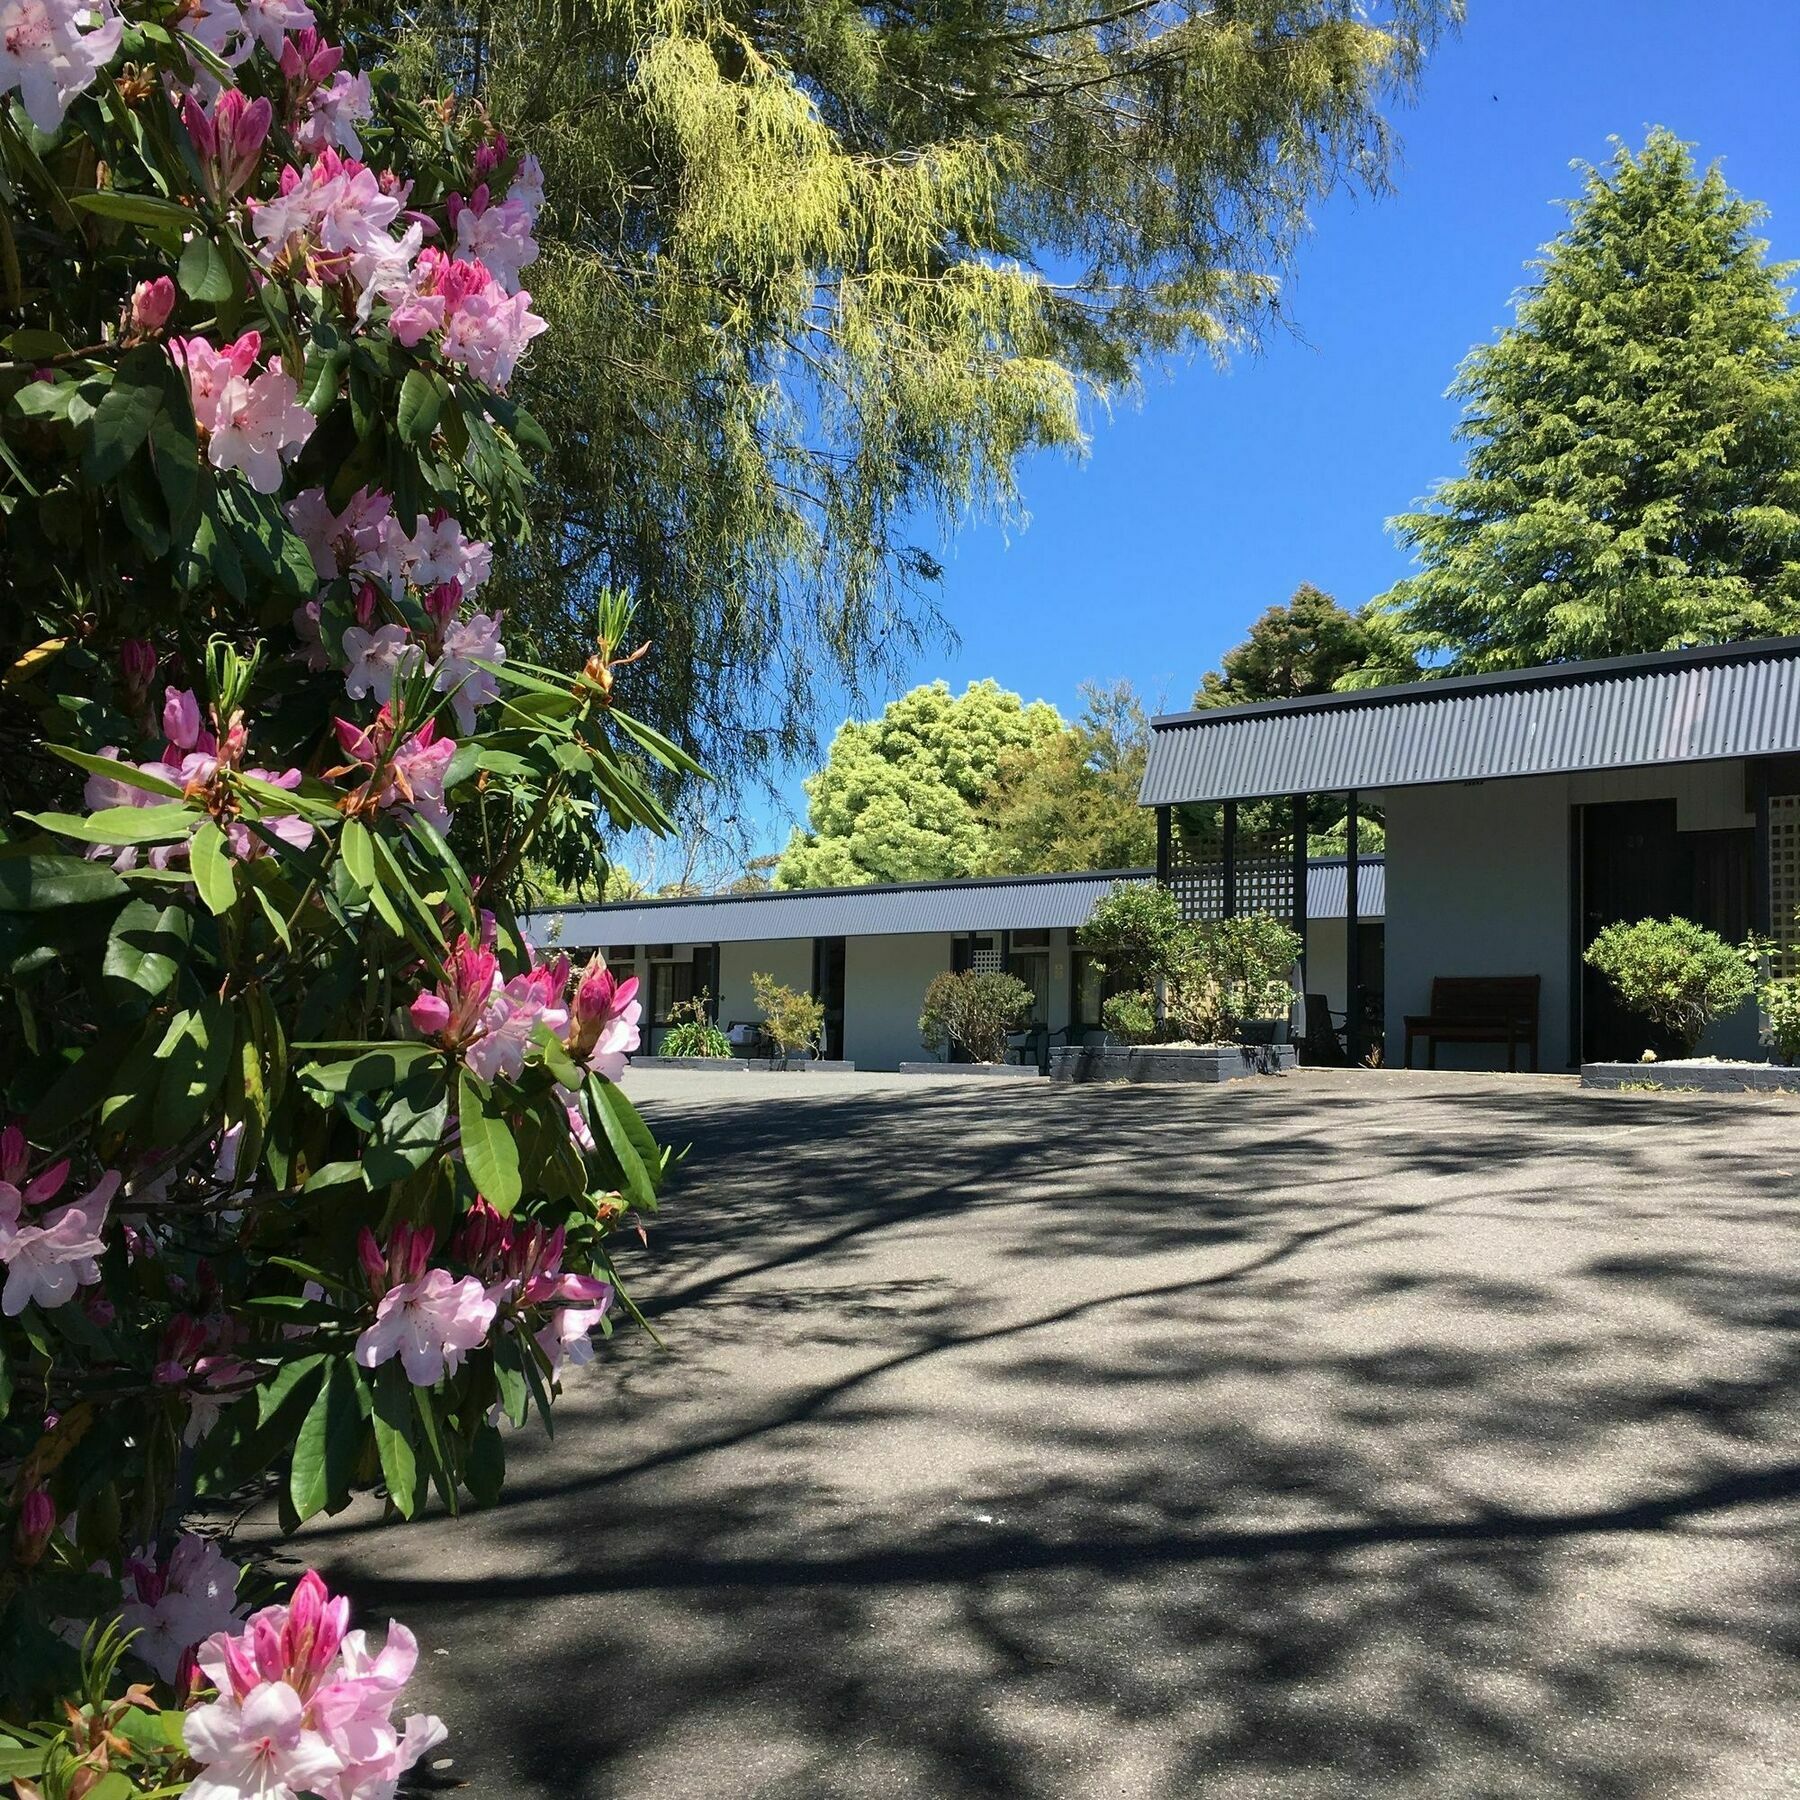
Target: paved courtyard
x=1352, y=1434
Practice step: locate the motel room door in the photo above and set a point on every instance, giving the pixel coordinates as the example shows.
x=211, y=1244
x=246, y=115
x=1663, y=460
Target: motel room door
x=1629, y=870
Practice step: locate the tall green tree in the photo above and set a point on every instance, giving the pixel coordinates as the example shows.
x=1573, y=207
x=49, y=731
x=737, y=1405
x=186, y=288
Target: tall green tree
x=1633, y=474
x=821, y=274
x=898, y=796
x=1311, y=645
x=1071, y=800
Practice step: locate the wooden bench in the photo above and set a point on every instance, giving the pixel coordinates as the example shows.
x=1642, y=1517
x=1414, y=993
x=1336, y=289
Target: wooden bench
x=1479, y=1009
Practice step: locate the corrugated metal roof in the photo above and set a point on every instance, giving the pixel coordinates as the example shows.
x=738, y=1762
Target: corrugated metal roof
x=1328, y=893
x=1018, y=903
x=1681, y=706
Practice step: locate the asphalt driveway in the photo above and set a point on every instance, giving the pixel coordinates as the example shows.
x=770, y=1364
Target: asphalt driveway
x=1350, y=1434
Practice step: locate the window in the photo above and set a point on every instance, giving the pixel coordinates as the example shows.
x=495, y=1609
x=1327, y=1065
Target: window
x=1031, y=940
x=1090, y=990
x=670, y=984
x=1033, y=968
x=621, y=953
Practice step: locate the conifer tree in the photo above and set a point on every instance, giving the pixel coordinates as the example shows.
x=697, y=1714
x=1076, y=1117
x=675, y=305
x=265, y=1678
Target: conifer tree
x=1633, y=474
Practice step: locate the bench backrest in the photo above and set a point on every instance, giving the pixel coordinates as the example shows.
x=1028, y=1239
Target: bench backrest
x=1485, y=997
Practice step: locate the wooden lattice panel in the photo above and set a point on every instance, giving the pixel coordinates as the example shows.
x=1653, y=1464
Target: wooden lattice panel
x=1264, y=878
x=1784, y=881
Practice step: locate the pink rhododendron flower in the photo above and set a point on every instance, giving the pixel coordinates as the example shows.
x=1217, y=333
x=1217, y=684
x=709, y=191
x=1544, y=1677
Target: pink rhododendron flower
x=330, y=221
x=334, y=113
x=604, y=1020
x=511, y=1018
x=247, y=844
x=176, y=1605
x=565, y=1336
x=410, y=774
x=431, y=1324
x=258, y=1747
x=438, y=553
x=46, y=1262
x=498, y=236
x=376, y=659
x=269, y=21
x=488, y=333
x=465, y=640
x=363, y=539
x=452, y=1013
x=309, y=629
x=51, y=50
x=248, y=423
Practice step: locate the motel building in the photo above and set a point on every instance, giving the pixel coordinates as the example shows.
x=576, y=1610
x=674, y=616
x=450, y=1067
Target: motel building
x=870, y=952
x=1522, y=813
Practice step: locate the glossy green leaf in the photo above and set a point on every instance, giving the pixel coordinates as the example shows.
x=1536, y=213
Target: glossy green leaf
x=325, y=1450
x=394, y=1416
x=371, y=1068
x=420, y=404
x=194, y=1054
x=358, y=852
x=204, y=271
x=147, y=945
x=45, y=883
x=122, y=420
x=136, y=209
x=291, y=1378
x=215, y=874
x=166, y=824
x=117, y=769
x=489, y=1151
x=409, y=1129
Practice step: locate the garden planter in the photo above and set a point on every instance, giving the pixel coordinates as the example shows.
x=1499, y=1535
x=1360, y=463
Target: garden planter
x=800, y=1065
x=1707, y=1074
x=1004, y=1071
x=721, y=1065
x=1163, y=1062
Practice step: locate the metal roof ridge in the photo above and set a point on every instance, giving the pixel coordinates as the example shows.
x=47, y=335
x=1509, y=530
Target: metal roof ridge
x=953, y=883
x=1433, y=687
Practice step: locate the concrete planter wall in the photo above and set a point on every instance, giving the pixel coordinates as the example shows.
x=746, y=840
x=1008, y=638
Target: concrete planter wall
x=799, y=1065
x=974, y=1071
x=719, y=1065
x=1708, y=1077
x=1160, y=1062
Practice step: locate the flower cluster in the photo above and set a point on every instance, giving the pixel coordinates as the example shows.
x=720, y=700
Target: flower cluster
x=520, y=1265
x=51, y=50
x=426, y=1316
x=173, y=1604
x=305, y=1706
x=48, y=1254
x=246, y=422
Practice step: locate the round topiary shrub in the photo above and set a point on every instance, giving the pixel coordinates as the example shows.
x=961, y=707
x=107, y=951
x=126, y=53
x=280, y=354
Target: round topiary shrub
x=1677, y=974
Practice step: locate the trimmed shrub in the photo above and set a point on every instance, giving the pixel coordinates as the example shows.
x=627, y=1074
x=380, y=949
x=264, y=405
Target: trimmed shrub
x=1781, y=1004
x=1677, y=974
x=1131, y=1016
x=796, y=1021
x=973, y=1011
x=1138, y=934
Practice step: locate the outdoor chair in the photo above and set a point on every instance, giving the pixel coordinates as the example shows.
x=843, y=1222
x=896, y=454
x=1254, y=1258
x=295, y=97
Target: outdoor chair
x=1033, y=1046
x=1323, y=1042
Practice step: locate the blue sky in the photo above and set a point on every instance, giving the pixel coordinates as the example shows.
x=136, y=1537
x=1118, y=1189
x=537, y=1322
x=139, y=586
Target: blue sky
x=1215, y=494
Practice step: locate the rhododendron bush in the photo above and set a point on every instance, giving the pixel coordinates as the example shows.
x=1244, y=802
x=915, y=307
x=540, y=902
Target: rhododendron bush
x=311, y=1165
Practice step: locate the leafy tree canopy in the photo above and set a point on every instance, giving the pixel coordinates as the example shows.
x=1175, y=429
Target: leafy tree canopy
x=820, y=274
x=897, y=798
x=1633, y=475
x=1071, y=801
x=1309, y=646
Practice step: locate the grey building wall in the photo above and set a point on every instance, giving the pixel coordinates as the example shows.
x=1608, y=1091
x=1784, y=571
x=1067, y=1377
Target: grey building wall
x=1479, y=884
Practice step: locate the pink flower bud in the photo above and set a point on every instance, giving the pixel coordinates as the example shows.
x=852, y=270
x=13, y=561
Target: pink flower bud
x=430, y=1014
x=443, y=600
x=37, y=1519
x=368, y=597
x=151, y=304
x=15, y=1155
x=199, y=127
x=137, y=666
x=181, y=717
x=374, y=1264
x=242, y=129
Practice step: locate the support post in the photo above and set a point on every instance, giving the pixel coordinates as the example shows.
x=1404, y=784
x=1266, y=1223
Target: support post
x=1299, y=878
x=1165, y=844
x=1353, y=1018
x=1761, y=917
x=1229, y=871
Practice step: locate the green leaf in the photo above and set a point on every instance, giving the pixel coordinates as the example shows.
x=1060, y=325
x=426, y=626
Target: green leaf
x=515, y=1392
x=47, y=883
x=194, y=1055
x=392, y=1395
x=358, y=851
x=86, y=1080
x=204, y=271
x=410, y=1129
x=147, y=945
x=137, y=209
x=291, y=1378
x=629, y=1139
x=325, y=1451
x=123, y=824
x=122, y=420
x=115, y=768
x=420, y=404
x=215, y=874
x=485, y=1470
x=372, y=1068
x=489, y=1152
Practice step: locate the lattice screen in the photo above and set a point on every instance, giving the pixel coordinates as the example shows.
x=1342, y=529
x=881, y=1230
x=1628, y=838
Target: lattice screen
x=1264, y=877
x=984, y=958
x=1784, y=880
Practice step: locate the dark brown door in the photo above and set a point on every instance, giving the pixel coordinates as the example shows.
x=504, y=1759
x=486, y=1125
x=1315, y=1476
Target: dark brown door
x=1629, y=870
